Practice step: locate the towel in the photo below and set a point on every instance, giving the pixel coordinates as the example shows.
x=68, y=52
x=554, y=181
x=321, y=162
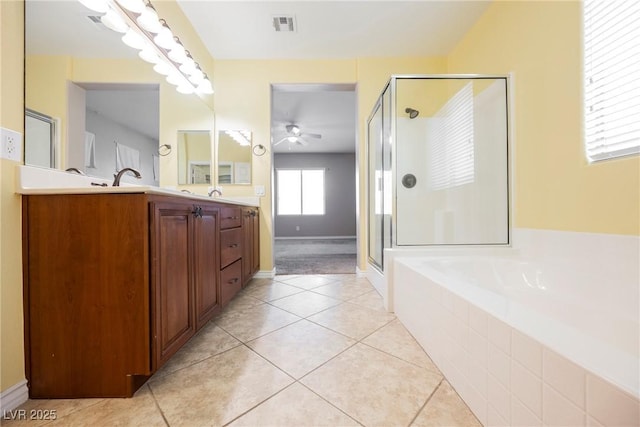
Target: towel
x=127, y=157
x=156, y=167
x=89, y=150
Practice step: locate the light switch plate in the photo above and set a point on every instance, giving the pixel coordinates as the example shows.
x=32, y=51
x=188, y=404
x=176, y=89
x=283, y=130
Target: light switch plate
x=11, y=142
x=259, y=190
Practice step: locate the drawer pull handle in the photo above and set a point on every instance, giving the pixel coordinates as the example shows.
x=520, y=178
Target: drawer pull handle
x=233, y=217
x=234, y=245
x=232, y=281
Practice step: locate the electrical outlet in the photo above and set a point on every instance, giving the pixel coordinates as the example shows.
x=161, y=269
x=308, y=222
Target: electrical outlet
x=259, y=190
x=11, y=144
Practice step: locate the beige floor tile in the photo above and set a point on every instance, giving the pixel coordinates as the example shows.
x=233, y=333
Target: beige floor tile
x=307, y=282
x=33, y=411
x=140, y=410
x=446, y=408
x=218, y=390
x=372, y=387
x=394, y=339
x=209, y=341
x=352, y=320
x=305, y=303
x=240, y=302
x=271, y=291
x=371, y=300
x=300, y=347
x=295, y=406
x=256, y=321
x=259, y=282
x=344, y=290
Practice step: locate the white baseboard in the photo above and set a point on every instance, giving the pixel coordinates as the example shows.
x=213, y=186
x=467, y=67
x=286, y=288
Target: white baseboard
x=14, y=396
x=265, y=274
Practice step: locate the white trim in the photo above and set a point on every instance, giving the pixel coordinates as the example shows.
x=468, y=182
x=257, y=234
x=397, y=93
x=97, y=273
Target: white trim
x=314, y=237
x=265, y=274
x=14, y=396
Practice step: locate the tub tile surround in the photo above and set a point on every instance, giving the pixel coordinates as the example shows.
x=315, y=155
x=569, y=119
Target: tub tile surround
x=261, y=364
x=527, y=382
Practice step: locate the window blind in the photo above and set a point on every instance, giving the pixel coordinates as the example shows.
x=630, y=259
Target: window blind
x=612, y=78
x=452, y=153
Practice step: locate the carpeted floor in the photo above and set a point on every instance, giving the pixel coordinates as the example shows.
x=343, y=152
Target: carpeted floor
x=315, y=256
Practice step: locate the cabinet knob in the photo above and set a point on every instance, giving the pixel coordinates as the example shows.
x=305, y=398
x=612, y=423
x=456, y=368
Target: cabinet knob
x=233, y=245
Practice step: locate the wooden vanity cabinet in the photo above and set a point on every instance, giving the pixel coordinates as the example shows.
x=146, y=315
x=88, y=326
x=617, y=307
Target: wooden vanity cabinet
x=184, y=273
x=115, y=284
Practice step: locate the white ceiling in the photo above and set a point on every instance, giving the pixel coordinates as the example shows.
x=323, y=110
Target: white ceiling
x=243, y=29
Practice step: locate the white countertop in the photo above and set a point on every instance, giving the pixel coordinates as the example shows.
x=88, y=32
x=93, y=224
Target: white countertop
x=35, y=180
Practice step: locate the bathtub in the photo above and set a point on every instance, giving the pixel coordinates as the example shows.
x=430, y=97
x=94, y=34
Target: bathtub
x=526, y=341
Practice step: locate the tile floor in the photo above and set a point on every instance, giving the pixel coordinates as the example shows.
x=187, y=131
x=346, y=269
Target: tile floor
x=315, y=350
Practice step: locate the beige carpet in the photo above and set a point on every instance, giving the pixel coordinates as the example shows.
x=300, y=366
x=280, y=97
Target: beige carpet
x=315, y=256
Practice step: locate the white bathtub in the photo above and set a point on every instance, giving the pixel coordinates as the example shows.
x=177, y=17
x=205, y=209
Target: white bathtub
x=528, y=341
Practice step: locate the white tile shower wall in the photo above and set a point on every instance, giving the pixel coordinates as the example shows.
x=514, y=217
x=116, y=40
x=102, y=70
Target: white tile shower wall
x=519, y=382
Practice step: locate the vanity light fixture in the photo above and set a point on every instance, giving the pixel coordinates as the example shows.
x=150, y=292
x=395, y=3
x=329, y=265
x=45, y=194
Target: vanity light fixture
x=242, y=137
x=145, y=31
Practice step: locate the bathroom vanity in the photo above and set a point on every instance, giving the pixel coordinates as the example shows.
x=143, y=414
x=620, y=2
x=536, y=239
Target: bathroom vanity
x=118, y=280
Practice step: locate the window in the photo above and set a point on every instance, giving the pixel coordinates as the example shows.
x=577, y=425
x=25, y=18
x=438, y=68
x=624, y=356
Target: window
x=300, y=191
x=452, y=159
x=612, y=78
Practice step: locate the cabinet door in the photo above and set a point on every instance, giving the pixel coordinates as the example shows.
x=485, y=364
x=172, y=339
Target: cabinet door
x=255, y=256
x=247, y=245
x=206, y=265
x=174, y=317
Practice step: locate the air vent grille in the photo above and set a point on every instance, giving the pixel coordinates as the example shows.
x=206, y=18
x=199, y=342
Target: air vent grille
x=95, y=19
x=284, y=23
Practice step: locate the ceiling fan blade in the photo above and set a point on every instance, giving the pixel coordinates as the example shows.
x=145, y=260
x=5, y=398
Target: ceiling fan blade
x=282, y=140
x=302, y=141
x=311, y=135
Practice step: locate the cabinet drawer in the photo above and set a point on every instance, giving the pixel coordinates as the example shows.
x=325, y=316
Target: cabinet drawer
x=230, y=281
x=230, y=246
x=230, y=217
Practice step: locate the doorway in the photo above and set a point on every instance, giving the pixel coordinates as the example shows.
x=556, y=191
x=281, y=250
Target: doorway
x=313, y=133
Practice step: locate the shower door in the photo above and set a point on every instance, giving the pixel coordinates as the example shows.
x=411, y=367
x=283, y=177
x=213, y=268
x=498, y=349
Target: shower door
x=451, y=169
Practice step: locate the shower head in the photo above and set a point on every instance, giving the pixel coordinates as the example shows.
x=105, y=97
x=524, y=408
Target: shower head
x=412, y=113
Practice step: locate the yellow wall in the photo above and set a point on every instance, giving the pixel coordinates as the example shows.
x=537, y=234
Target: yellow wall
x=243, y=101
x=12, y=117
x=555, y=187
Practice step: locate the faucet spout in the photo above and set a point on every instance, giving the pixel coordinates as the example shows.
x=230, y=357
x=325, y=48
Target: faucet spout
x=76, y=170
x=118, y=176
x=215, y=190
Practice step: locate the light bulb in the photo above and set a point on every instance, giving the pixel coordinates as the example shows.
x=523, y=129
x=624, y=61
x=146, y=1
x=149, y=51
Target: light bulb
x=185, y=88
x=176, y=78
x=205, y=87
x=177, y=53
x=164, y=38
x=188, y=66
x=196, y=77
x=162, y=68
x=114, y=22
x=149, y=55
x=134, y=40
x=149, y=20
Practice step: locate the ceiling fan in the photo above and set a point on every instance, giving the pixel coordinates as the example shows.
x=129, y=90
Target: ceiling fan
x=295, y=135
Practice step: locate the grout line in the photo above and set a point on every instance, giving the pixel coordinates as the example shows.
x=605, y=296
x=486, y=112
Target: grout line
x=426, y=402
x=258, y=404
x=153, y=395
x=329, y=402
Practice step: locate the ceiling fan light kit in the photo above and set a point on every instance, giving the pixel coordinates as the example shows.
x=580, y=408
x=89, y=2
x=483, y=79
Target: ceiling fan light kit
x=295, y=135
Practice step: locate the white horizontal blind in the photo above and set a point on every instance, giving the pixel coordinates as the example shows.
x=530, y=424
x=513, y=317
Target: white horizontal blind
x=612, y=78
x=452, y=152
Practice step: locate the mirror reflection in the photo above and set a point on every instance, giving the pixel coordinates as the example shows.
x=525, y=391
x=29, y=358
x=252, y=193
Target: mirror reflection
x=234, y=157
x=194, y=157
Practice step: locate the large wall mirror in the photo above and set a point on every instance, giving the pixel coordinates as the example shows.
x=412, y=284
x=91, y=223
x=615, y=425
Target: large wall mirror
x=107, y=103
x=194, y=157
x=234, y=157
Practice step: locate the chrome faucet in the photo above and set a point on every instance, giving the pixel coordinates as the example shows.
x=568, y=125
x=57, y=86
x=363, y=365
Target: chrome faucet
x=215, y=190
x=116, y=180
x=76, y=170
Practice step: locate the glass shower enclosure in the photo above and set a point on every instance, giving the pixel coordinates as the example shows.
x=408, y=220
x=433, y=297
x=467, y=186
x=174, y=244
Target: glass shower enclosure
x=438, y=163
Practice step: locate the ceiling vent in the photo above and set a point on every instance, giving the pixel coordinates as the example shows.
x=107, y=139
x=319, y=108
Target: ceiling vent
x=284, y=24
